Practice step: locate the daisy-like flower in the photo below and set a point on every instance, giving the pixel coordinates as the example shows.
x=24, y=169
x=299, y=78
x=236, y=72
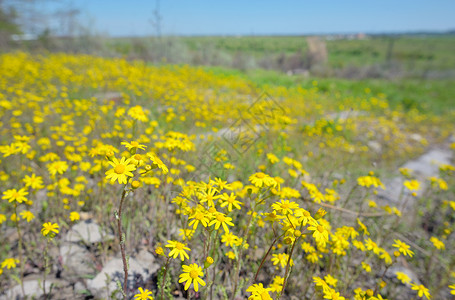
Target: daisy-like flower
x=282, y=259
x=229, y=201
x=403, y=248
x=133, y=145
x=320, y=234
x=277, y=284
x=35, y=182
x=10, y=263
x=157, y=162
x=318, y=281
x=74, y=216
x=221, y=219
x=403, y=277
x=272, y=158
x=59, y=166
x=50, y=229
x=26, y=214
x=209, y=195
x=121, y=170
x=412, y=185
x=199, y=216
x=192, y=274
x=331, y=280
x=437, y=243
x=15, y=195
x=136, y=112
x=177, y=249
x=421, y=290
x=259, y=292
x=261, y=179
x=284, y=206
x=366, y=267
x=229, y=238
x=143, y=295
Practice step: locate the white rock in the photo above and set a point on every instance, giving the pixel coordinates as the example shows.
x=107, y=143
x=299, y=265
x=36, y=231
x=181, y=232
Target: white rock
x=88, y=232
x=32, y=288
x=76, y=259
x=100, y=288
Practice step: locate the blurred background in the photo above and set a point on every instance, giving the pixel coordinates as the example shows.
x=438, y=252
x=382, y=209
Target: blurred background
x=348, y=39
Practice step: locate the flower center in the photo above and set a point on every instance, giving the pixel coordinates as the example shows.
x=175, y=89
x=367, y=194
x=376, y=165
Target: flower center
x=119, y=169
x=265, y=295
x=137, y=157
x=320, y=229
x=284, y=206
x=134, y=144
x=260, y=175
x=193, y=274
x=179, y=246
x=220, y=218
x=199, y=216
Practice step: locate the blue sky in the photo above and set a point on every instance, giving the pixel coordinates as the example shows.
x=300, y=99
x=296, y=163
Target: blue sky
x=235, y=17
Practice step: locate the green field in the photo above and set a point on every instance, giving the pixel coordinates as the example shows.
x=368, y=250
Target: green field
x=419, y=56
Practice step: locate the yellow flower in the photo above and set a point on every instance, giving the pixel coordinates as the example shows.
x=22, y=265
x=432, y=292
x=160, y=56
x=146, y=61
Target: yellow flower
x=452, y=289
x=199, y=215
x=133, y=145
x=260, y=179
x=221, y=219
x=421, y=290
x=15, y=195
x=49, y=229
x=28, y=215
x=159, y=251
x=177, y=249
x=403, y=248
x=403, y=277
x=35, y=182
x=412, y=185
x=74, y=216
x=284, y=206
x=319, y=282
x=138, y=113
x=229, y=201
x=2, y=218
x=191, y=274
x=272, y=158
x=10, y=263
x=57, y=167
x=320, y=234
x=143, y=295
x=229, y=238
x=331, y=280
x=157, y=162
x=437, y=243
x=277, y=284
x=258, y=292
x=366, y=267
x=230, y=255
x=282, y=259
x=121, y=170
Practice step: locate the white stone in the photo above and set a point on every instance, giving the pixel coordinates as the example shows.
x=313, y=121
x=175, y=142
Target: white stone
x=87, y=231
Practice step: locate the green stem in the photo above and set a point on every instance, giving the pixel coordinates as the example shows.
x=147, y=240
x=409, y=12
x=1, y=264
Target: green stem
x=164, y=278
x=20, y=248
x=237, y=266
x=288, y=265
x=122, y=243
